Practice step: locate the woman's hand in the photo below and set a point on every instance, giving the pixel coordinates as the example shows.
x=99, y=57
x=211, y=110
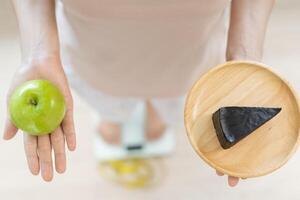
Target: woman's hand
x=244, y=41
x=38, y=149
x=232, y=181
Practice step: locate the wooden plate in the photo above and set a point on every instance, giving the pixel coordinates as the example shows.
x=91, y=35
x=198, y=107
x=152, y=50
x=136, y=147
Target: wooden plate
x=241, y=83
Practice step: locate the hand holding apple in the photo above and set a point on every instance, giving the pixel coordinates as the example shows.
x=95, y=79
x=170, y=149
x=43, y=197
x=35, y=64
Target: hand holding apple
x=37, y=107
x=31, y=102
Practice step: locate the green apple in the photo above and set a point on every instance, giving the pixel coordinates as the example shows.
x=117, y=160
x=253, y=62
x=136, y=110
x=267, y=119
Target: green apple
x=37, y=107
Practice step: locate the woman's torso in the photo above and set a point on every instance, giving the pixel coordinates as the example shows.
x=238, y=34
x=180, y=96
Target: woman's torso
x=142, y=47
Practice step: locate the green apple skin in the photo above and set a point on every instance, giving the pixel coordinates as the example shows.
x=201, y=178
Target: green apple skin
x=37, y=107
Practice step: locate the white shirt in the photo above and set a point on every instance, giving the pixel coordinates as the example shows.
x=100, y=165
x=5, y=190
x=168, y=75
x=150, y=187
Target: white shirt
x=142, y=48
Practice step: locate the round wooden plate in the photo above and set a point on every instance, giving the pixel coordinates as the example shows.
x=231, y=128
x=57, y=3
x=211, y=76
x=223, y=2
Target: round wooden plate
x=243, y=83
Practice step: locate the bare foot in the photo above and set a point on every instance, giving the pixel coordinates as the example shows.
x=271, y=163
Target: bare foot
x=110, y=132
x=155, y=127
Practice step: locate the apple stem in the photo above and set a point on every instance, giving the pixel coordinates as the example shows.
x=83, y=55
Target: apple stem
x=33, y=102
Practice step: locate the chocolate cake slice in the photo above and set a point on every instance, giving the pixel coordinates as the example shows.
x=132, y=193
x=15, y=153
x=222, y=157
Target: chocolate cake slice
x=232, y=124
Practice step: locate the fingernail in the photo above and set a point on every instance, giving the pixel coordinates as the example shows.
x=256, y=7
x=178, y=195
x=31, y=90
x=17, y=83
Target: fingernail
x=72, y=148
x=60, y=165
x=61, y=169
x=47, y=173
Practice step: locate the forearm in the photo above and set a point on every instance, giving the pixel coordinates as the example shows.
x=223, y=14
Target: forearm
x=38, y=30
x=248, y=22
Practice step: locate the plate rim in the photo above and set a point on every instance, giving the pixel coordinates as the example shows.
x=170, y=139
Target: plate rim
x=208, y=161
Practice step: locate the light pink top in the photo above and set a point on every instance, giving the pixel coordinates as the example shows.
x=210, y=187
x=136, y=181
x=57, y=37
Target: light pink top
x=145, y=48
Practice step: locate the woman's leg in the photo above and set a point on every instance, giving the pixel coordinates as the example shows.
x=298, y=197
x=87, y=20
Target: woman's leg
x=112, y=110
x=170, y=110
x=155, y=126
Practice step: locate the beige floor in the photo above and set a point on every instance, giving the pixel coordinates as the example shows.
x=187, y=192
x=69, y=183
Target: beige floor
x=188, y=177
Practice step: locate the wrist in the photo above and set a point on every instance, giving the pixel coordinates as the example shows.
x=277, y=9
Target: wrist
x=35, y=49
x=36, y=55
x=36, y=60
x=254, y=55
x=232, y=57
